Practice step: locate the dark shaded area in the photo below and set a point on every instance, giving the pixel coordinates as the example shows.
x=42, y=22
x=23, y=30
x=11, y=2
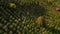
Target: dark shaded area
x=34, y=10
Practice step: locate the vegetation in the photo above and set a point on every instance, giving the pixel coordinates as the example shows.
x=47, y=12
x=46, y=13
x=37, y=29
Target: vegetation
x=29, y=17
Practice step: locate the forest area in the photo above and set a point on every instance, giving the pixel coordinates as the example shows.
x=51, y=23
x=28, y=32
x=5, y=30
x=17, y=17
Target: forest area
x=29, y=16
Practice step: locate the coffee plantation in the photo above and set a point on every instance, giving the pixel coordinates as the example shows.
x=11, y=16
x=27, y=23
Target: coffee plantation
x=29, y=17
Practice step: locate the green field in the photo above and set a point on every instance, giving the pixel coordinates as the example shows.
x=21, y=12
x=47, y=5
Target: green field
x=29, y=17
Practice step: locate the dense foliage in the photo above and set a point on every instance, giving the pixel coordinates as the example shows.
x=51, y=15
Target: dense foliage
x=20, y=16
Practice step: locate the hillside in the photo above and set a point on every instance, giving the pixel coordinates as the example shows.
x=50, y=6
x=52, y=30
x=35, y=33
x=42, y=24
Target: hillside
x=29, y=17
